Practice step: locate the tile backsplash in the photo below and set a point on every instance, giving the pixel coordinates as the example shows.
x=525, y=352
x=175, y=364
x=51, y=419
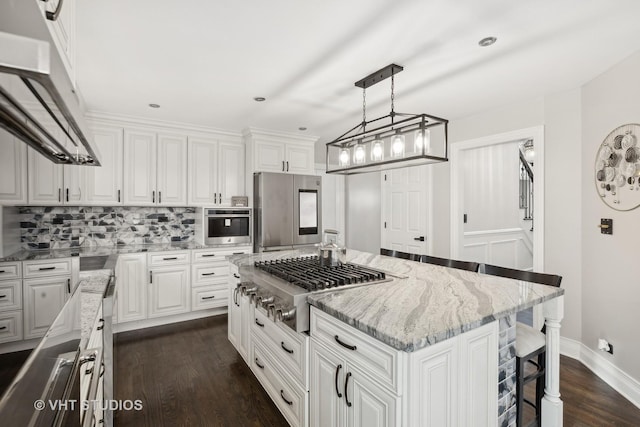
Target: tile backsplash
x=56, y=227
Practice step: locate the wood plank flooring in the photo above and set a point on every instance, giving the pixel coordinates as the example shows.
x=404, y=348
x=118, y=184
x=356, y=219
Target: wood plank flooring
x=188, y=374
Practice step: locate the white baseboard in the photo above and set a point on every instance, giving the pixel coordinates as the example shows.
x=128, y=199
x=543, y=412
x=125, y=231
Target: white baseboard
x=619, y=380
x=150, y=323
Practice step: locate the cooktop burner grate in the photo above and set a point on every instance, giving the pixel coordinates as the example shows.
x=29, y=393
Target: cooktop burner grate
x=307, y=273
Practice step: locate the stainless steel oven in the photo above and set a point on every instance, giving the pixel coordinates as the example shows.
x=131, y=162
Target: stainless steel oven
x=228, y=226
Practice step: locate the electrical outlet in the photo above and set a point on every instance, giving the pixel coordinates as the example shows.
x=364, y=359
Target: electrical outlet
x=610, y=348
x=604, y=345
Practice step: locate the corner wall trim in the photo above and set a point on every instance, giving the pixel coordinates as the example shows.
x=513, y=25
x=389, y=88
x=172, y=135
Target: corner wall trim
x=619, y=380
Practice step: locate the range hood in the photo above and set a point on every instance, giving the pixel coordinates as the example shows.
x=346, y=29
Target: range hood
x=38, y=103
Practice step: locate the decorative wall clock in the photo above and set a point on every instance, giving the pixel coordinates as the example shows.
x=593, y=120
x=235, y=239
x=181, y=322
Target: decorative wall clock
x=617, y=168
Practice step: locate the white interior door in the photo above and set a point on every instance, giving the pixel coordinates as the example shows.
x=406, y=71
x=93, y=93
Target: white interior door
x=406, y=209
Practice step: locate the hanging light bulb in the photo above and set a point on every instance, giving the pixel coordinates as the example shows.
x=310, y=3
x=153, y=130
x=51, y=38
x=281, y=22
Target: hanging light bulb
x=359, y=155
x=344, y=157
x=422, y=140
x=397, y=145
x=377, y=150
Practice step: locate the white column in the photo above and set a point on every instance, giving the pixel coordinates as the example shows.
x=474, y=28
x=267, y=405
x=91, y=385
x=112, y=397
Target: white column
x=551, y=404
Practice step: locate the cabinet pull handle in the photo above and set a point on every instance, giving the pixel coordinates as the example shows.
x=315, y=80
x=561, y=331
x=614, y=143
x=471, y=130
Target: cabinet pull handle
x=151, y=277
x=2, y=328
x=337, y=373
x=283, y=166
x=2, y=271
x=67, y=194
x=99, y=328
x=118, y=196
x=59, y=194
x=220, y=198
x=287, y=165
x=211, y=297
x=238, y=253
x=159, y=196
x=235, y=297
x=236, y=276
x=53, y=16
x=208, y=255
x=350, y=347
x=346, y=384
x=259, y=324
x=46, y=268
x=288, y=402
x=173, y=258
x=89, y=371
x=3, y=296
x=285, y=348
x=208, y=274
x=153, y=196
x=258, y=364
x=69, y=286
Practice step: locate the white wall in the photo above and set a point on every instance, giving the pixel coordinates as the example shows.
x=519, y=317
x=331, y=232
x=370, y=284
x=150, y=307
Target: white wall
x=611, y=281
x=363, y=207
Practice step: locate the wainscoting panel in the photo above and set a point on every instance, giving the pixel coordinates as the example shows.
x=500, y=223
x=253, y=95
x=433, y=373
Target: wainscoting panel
x=507, y=247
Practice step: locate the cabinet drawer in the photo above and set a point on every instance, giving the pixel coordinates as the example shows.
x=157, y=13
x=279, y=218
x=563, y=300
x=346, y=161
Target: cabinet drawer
x=290, y=398
x=46, y=268
x=10, y=326
x=206, y=274
x=209, y=255
x=168, y=258
x=287, y=347
x=373, y=357
x=10, y=270
x=209, y=297
x=10, y=295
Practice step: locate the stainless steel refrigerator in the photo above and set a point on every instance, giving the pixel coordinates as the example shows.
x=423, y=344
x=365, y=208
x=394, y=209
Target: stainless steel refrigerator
x=287, y=211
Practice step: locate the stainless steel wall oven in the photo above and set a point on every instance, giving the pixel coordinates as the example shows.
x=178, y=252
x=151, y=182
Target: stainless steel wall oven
x=228, y=226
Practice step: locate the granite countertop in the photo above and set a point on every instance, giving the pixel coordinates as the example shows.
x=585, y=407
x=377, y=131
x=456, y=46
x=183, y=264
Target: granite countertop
x=424, y=303
x=92, y=285
x=29, y=255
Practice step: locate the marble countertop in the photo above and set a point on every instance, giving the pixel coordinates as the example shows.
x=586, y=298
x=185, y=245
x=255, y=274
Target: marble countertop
x=424, y=303
x=29, y=255
x=92, y=285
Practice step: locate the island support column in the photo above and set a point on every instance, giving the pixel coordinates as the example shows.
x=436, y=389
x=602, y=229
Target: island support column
x=551, y=403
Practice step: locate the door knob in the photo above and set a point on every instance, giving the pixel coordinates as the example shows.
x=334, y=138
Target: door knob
x=420, y=239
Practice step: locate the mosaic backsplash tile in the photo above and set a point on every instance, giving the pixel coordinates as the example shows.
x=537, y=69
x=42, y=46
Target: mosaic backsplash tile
x=54, y=227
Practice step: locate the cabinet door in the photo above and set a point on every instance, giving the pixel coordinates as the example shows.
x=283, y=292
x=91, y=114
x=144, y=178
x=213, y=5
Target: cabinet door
x=169, y=290
x=131, y=287
x=43, y=300
x=73, y=178
x=13, y=169
x=104, y=183
x=327, y=377
x=246, y=316
x=231, y=172
x=63, y=31
x=139, y=168
x=269, y=157
x=203, y=174
x=371, y=405
x=299, y=159
x=45, y=180
x=233, y=325
x=172, y=170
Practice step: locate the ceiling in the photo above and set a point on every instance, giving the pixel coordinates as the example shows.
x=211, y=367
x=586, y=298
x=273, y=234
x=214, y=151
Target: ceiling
x=204, y=61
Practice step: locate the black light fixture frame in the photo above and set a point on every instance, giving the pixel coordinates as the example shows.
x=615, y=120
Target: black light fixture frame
x=359, y=134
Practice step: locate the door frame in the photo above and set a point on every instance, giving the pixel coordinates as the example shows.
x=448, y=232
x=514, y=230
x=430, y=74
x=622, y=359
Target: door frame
x=535, y=133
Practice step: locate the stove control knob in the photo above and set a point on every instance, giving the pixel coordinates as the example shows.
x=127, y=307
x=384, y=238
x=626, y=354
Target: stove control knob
x=265, y=300
x=271, y=310
x=284, y=314
x=246, y=290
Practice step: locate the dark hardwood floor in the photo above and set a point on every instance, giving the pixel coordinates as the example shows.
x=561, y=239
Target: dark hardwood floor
x=188, y=374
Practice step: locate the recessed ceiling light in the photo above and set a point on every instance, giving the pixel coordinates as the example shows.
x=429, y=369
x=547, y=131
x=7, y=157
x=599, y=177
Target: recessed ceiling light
x=259, y=98
x=302, y=128
x=487, y=41
x=154, y=105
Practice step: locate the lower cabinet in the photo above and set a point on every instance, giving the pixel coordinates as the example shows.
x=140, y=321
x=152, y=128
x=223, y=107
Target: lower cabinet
x=131, y=274
x=43, y=300
x=169, y=290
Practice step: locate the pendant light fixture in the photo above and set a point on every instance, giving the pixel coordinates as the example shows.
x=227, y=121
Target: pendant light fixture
x=388, y=142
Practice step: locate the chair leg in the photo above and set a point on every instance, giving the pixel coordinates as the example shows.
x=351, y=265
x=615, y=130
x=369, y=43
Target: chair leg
x=520, y=390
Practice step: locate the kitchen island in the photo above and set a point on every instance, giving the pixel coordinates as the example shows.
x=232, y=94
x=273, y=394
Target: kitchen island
x=435, y=346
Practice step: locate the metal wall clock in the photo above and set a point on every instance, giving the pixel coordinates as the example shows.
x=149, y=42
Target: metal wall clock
x=617, y=168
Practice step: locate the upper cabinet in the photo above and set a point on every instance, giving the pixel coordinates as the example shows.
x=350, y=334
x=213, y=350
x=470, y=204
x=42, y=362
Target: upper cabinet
x=63, y=31
x=216, y=171
x=155, y=169
x=280, y=152
x=13, y=170
x=104, y=183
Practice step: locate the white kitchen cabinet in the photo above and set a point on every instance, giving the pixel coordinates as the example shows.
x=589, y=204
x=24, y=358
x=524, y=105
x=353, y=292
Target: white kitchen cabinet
x=103, y=185
x=63, y=30
x=13, y=170
x=131, y=276
x=326, y=399
x=279, y=152
x=234, y=318
x=169, y=290
x=11, y=315
x=216, y=171
x=45, y=180
x=155, y=169
x=43, y=300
